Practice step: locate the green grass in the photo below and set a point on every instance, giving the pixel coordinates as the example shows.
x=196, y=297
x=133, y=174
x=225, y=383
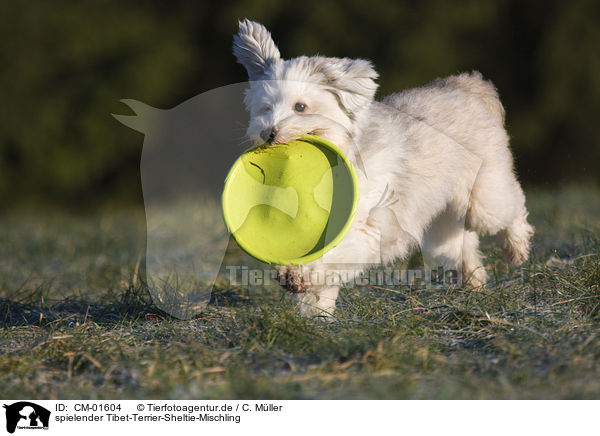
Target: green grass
x=76, y=322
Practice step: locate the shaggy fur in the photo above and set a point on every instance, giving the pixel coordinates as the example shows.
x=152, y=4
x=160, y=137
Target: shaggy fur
x=434, y=165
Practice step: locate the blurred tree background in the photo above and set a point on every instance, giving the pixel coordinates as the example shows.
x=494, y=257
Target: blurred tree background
x=66, y=65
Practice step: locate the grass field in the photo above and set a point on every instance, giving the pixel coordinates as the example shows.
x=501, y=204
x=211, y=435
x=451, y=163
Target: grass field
x=75, y=322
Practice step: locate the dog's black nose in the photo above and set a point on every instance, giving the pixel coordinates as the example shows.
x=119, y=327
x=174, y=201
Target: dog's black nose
x=268, y=135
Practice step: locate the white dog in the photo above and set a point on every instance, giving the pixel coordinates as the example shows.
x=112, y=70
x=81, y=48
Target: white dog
x=434, y=165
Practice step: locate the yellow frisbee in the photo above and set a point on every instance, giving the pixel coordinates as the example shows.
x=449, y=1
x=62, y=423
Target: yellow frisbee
x=289, y=204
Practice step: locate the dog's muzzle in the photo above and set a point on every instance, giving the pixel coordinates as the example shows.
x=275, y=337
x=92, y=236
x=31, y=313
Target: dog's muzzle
x=268, y=135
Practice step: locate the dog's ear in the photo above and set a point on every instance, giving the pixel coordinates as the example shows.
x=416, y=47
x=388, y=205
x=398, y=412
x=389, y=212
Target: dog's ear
x=254, y=48
x=351, y=80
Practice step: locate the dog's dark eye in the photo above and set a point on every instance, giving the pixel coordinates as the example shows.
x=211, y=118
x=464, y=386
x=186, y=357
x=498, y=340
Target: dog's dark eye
x=299, y=107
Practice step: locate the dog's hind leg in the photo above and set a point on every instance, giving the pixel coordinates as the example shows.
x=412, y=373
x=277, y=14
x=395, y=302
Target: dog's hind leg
x=515, y=239
x=473, y=271
x=448, y=244
x=498, y=207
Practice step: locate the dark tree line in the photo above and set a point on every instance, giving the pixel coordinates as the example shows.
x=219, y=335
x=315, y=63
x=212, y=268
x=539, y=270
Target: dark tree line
x=65, y=65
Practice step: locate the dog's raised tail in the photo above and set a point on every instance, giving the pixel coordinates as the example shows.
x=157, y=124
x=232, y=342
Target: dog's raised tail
x=516, y=239
x=474, y=83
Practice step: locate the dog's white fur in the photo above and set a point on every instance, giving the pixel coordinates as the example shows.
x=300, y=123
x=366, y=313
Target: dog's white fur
x=435, y=169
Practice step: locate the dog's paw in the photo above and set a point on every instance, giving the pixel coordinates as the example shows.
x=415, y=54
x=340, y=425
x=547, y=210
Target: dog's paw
x=319, y=305
x=476, y=279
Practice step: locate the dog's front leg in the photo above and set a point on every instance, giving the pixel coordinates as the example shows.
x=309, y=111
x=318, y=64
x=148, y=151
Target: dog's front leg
x=314, y=285
x=317, y=283
x=394, y=241
x=372, y=241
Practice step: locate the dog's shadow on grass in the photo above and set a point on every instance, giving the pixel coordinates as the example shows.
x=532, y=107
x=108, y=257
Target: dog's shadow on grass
x=132, y=305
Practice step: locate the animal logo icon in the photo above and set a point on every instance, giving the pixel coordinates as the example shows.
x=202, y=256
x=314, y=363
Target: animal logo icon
x=186, y=154
x=24, y=414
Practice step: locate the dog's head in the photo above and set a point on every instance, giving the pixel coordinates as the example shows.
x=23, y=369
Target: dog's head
x=305, y=95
